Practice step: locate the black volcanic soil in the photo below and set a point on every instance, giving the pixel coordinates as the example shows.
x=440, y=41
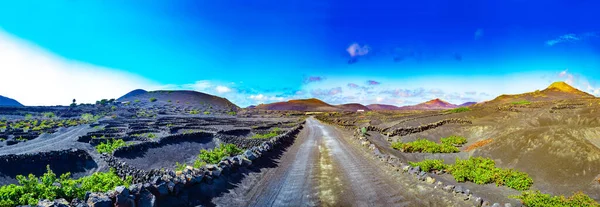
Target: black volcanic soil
x=77, y=162
x=165, y=156
x=555, y=142
x=121, y=121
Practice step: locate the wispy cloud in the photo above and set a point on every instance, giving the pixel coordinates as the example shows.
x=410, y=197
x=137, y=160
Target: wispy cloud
x=571, y=38
x=404, y=92
x=578, y=81
x=222, y=89
x=311, y=79
x=568, y=77
x=260, y=98
x=436, y=91
x=326, y=92
x=372, y=83
x=201, y=85
x=352, y=85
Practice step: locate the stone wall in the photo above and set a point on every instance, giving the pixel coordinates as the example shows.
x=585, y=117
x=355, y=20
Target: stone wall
x=165, y=140
x=394, y=162
x=72, y=160
x=150, y=186
x=412, y=130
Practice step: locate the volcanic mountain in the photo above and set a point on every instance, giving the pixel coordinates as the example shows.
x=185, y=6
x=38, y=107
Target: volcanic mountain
x=352, y=107
x=5, y=101
x=177, y=97
x=382, y=107
x=467, y=104
x=430, y=105
x=312, y=104
x=556, y=91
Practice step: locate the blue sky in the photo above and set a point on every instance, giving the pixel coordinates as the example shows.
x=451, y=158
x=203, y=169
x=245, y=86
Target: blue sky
x=393, y=52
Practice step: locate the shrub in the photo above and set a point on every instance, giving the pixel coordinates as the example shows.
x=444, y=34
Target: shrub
x=536, y=198
x=429, y=165
x=272, y=133
x=199, y=163
x=180, y=167
x=478, y=170
x=194, y=112
x=151, y=135
x=206, y=112
x=87, y=117
x=110, y=146
x=136, y=101
x=523, y=102
x=426, y=146
x=232, y=113
x=215, y=155
x=454, y=140
x=28, y=116
x=363, y=130
x=513, y=179
x=459, y=109
x=152, y=99
x=49, y=115
x=31, y=189
x=483, y=170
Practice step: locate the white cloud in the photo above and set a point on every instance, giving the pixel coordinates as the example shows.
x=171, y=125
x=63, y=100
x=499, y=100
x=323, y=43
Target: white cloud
x=34, y=76
x=222, y=89
x=579, y=82
x=201, y=85
x=357, y=50
x=572, y=38
x=563, y=38
x=260, y=98
x=569, y=78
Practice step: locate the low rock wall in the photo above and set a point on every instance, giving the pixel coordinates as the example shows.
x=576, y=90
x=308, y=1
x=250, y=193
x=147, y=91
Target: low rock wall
x=151, y=186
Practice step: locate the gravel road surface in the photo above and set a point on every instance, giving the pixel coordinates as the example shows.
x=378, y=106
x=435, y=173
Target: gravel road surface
x=323, y=168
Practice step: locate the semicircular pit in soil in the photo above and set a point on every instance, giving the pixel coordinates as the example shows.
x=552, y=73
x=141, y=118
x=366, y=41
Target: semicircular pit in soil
x=166, y=154
x=78, y=162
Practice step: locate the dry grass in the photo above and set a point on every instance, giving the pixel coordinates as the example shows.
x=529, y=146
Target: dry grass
x=478, y=144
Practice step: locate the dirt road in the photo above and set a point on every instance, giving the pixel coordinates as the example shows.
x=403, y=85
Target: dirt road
x=322, y=168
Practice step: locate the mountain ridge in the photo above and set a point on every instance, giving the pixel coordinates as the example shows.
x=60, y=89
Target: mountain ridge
x=6, y=101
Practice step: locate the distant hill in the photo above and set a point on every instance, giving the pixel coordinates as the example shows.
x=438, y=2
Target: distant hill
x=467, y=104
x=5, y=101
x=382, y=107
x=430, y=105
x=312, y=104
x=352, y=107
x=556, y=91
x=177, y=97
x=133, y=93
